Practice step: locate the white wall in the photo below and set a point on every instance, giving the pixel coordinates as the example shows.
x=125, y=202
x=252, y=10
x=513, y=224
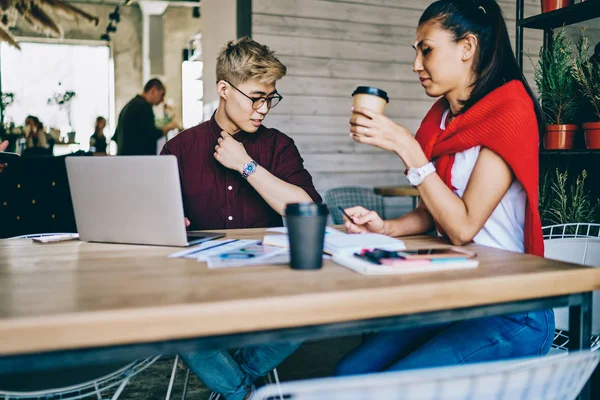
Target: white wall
x=218, y=27
x=332, y=46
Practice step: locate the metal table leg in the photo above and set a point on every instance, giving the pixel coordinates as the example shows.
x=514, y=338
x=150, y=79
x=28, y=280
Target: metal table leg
x=580, y=332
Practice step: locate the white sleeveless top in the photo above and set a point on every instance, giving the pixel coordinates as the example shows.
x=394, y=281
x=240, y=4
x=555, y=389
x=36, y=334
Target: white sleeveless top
x=504, y=228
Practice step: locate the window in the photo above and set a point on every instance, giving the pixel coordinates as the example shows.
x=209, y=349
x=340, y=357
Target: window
x=41, y=70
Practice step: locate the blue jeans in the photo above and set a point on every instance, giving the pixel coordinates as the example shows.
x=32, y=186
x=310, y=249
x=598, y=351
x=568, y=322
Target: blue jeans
x=483, y=339
x=233, y=376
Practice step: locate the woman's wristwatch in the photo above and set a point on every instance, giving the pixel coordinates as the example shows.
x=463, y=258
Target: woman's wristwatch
x=416, y=176
x=249, y=169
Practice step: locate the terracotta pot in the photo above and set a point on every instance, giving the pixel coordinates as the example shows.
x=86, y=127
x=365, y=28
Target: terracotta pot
x=559, y=137
x=592, y=135
x=551, y=5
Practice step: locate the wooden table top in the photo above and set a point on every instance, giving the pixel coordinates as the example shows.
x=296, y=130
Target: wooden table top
x=397, y=191
x=76, y=294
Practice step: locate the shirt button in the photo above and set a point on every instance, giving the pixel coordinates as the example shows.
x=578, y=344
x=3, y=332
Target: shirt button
x=230, y=218
x=229, y=187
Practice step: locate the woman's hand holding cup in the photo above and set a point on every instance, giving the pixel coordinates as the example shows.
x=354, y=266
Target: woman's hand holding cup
x=369, y=126
x=363, y=221
x=372, y=128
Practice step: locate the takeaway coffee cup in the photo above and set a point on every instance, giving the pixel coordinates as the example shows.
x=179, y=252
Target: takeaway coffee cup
x=306, y=229
x=371, y=98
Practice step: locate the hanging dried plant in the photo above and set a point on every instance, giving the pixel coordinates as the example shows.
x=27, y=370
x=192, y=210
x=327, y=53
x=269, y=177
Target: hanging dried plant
x=37, y=13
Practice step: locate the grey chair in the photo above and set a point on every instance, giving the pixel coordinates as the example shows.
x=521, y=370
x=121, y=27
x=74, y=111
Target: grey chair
x=350, y=196
x=577, y=244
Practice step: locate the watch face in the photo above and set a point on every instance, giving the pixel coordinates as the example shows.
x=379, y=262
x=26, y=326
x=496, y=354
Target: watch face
x=413, y=177
x=250, y=167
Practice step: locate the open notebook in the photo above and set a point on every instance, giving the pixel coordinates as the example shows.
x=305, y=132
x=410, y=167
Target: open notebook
x=337, y=242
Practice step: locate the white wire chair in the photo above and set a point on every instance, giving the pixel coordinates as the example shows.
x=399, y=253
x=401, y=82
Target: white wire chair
x=574, y=230
x=559, y=377
x=573, y=245
x=112, y=385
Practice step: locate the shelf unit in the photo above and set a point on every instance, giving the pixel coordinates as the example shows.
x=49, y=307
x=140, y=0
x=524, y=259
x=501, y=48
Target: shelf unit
x=579, y=12
x=575, y=13
x=577, y=159
x=571, y=152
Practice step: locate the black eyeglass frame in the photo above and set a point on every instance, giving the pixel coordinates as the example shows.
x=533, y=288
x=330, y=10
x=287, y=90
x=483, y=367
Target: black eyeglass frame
x=264, y=99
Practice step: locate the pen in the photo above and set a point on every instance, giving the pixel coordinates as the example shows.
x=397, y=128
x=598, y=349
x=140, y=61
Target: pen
x=368, y=256
x=346, y=215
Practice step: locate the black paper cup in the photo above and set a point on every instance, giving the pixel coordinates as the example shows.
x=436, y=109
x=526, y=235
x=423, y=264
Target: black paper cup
x=306, y=229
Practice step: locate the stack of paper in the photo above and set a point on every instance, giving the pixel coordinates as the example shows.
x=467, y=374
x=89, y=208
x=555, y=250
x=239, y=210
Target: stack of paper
x=235, y=253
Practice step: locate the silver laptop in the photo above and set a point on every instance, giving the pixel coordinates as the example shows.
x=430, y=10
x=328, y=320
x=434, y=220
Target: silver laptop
x=133, y=200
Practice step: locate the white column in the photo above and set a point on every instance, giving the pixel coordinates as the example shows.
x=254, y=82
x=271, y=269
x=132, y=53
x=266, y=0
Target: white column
x=148, y=8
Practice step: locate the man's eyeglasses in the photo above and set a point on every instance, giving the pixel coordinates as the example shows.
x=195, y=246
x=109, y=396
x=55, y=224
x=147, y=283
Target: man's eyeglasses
x=257, y=102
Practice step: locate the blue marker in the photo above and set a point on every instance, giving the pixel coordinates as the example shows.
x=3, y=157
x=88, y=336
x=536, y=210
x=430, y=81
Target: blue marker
x=449, y=259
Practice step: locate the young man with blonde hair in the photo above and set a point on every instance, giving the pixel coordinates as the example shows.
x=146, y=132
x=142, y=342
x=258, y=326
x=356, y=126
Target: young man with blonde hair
x=236, y=173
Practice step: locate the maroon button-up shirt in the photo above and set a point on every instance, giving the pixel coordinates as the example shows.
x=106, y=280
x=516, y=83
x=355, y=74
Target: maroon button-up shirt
x=216, y=197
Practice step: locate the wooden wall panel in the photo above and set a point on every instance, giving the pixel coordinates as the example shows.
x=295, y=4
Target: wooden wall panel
x=332, y=46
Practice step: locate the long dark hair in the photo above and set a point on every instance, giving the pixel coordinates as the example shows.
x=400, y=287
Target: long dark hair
x=495, y=62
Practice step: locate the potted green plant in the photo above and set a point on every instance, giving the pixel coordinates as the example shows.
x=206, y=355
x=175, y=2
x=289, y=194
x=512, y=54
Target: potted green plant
x=587, y=73
x=559, y=93
x=562, y=201
x=551, y=5
x=63, y=100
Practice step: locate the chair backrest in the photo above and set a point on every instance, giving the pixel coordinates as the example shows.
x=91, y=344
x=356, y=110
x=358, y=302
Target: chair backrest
x=351, y=196
x=577, y=244
x=545, y=378
x=75, y=383
x=35, y=197
x=572, y=230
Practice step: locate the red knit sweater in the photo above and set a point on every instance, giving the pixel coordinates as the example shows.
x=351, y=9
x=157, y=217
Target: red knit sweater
x=503, y=121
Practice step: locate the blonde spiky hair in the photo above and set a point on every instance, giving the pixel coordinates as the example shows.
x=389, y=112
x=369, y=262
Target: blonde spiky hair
x=244, y=59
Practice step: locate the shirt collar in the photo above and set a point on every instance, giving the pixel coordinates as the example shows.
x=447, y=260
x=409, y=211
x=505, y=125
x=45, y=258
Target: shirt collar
x=241, y=136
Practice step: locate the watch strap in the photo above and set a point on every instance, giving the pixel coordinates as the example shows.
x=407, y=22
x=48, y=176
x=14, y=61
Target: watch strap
x=428, y=169
x=248, y=169
x=422, y=173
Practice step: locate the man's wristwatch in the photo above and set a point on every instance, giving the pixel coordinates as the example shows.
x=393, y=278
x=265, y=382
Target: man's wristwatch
x=416, y=176
x=249, y=168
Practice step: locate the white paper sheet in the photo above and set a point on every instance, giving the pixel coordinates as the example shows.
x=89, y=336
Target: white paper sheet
x=210, y=247
x=328, y=230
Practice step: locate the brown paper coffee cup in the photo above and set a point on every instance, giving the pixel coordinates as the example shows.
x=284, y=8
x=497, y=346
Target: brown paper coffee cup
x=371, y=98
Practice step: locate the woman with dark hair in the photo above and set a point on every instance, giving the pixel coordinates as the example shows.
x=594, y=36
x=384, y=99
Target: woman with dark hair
x=474, y=161
x=98, y=140
x=37, y=143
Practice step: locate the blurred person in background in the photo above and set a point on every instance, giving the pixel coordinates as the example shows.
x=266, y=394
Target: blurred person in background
x=136, y=132
x=98, y=140
x=36, y=140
